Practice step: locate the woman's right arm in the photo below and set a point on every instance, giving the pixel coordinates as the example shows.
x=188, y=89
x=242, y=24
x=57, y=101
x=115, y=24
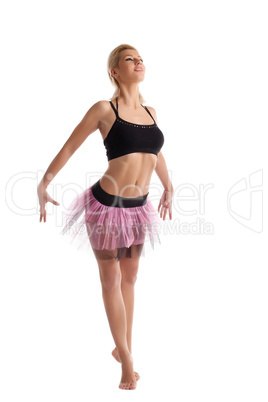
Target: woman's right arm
x=88, y=125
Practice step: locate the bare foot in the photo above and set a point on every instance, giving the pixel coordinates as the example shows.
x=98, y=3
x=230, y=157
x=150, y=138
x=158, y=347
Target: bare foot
x=116, y=356
x=128, y=379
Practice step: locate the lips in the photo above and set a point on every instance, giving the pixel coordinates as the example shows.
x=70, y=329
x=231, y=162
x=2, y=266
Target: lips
x=139, y=69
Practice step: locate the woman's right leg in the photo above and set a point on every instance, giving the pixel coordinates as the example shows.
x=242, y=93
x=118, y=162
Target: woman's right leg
x=110, y=276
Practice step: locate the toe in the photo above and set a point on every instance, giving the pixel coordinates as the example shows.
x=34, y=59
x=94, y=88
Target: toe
x=126, y=385
x=137, y=375
x=123, y=385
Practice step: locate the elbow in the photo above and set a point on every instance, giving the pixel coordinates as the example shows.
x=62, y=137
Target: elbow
x=158, y=159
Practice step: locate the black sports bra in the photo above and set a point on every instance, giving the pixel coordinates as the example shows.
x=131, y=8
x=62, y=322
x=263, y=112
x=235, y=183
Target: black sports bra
x=125, y=137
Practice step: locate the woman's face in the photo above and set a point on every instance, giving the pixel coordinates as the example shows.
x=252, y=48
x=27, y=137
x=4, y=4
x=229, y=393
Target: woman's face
x=130, y=67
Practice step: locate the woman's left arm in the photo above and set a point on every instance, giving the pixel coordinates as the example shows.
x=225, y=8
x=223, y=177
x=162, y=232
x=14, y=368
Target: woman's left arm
x=166, y=199
x=162, y=173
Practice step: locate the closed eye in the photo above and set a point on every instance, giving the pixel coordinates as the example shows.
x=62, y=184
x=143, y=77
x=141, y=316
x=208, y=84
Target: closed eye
x=129, y=58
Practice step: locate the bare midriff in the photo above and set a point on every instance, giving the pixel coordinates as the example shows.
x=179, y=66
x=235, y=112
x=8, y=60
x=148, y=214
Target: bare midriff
x=129, y=175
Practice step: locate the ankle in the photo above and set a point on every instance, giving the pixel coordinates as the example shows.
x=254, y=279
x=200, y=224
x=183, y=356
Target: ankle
x=128, y=349
x=124, y=355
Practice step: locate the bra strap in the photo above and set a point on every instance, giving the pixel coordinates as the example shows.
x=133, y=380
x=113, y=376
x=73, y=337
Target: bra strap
x=149, y=112
x=116, y=112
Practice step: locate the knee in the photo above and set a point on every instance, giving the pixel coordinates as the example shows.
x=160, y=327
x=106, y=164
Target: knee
x=110, y=282
x=129, y=269
x=129, y=278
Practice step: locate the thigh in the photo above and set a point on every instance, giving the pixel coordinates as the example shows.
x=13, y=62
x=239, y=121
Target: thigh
x=129, y=264
x=132, y=252
x=105, y=255
x=109, y=269
x=119, y=254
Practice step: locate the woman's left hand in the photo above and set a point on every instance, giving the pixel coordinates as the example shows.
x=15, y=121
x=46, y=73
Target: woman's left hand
x=165, y=204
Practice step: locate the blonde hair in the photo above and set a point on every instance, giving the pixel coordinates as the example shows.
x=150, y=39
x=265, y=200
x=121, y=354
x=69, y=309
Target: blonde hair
x=112, y=62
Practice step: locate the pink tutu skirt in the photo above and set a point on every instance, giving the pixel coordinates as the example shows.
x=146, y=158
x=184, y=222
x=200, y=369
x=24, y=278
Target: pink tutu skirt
x=112, y=226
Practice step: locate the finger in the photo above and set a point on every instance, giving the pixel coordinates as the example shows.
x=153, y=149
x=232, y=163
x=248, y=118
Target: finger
x=52, y=201
x=45, y=216
x=41, y=213
x=55, y=202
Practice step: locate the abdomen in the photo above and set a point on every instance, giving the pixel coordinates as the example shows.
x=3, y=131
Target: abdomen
x=129, y=175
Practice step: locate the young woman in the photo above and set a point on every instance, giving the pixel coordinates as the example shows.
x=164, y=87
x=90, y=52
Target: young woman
x=116, y=212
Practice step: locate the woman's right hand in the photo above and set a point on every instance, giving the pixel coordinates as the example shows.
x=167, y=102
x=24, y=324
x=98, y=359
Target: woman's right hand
x=44, y=197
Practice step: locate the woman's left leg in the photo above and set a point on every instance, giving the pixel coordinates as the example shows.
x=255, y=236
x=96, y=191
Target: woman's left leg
x=129, y=271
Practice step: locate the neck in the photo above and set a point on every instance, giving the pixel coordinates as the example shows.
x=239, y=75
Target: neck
x=129, y=96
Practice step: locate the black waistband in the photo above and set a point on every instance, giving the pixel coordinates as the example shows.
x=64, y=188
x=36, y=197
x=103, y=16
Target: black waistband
x=115, y=200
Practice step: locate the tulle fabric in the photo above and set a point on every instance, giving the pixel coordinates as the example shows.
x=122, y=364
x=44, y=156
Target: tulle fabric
x=111, y=232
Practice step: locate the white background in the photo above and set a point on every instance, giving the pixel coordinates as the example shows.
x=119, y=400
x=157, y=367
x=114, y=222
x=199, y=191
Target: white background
x=200, y=322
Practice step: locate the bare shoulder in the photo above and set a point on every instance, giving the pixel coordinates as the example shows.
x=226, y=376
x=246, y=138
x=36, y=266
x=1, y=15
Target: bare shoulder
x=103, y=106
x=153, y=112
x=100, y=106
x=96, y=114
